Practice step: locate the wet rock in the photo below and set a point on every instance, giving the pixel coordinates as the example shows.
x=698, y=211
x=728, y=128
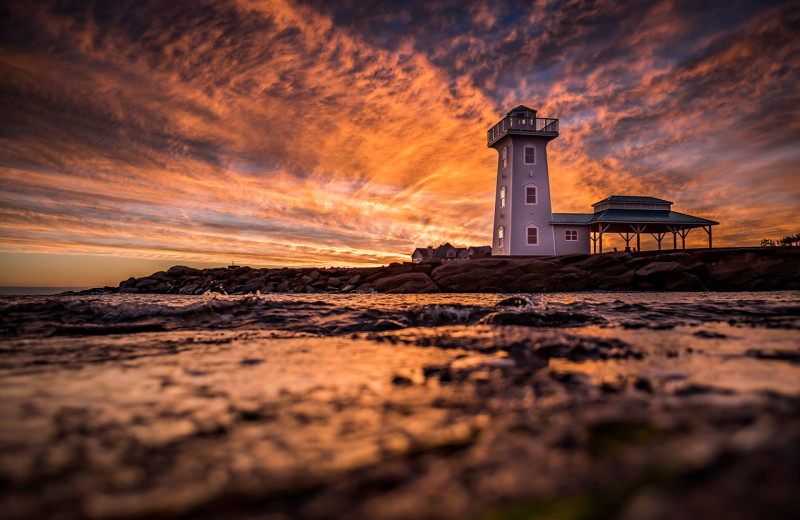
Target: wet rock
x=406, y=283
x=514, y=301
x=383, y=325
x=792, y=356
x=540, y=319
x=709, y=334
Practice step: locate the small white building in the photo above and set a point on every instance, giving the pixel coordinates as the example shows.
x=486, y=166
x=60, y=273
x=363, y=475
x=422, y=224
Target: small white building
x=524, y=223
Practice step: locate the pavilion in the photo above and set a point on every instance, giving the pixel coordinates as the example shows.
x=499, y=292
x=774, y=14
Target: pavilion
x=631, y=216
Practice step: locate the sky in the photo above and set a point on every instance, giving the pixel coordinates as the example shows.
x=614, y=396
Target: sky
x=136, y=134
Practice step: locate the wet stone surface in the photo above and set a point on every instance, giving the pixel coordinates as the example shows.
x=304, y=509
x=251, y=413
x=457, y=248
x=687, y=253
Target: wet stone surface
x=241, y=408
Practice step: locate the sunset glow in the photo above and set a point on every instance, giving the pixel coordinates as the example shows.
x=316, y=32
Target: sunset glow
x=280, y=133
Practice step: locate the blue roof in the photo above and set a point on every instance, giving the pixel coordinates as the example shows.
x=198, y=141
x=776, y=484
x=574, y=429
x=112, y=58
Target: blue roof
x=633, y=199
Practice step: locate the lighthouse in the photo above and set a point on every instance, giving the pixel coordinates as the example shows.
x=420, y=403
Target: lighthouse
x=522, y=213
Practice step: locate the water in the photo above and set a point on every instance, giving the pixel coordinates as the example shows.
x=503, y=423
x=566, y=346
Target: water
x=337, y=314
x=400, y=406
x=28, y=291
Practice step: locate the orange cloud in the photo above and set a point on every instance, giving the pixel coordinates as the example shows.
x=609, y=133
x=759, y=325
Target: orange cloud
x=277, y=132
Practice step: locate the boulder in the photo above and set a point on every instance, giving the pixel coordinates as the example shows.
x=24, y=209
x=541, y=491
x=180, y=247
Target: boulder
x=406, y=283
x=189, y=289
x=256, y=284
x=619, y=282
x=752, y=269
x=514, y=301
x=144, y=283
x=691, y=264
x=181, y=270
x=670, y=276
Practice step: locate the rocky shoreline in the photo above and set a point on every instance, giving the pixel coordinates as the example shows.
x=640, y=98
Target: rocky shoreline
x=740, y=269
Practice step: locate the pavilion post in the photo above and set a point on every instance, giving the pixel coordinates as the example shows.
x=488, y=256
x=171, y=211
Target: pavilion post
x=627, y=238
x=601, y=230
x=683, y=232
x=707, y=229
x=659, y=237
x=639, y=229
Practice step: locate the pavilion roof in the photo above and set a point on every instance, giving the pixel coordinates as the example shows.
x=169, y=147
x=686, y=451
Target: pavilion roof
x=631, y=216
x=632, y=199
x=648, y=216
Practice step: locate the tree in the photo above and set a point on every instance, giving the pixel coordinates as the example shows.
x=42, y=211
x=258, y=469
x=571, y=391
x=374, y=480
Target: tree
x=767, y=242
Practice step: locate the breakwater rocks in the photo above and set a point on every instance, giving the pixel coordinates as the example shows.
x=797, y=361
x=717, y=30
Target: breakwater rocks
x=742, y=269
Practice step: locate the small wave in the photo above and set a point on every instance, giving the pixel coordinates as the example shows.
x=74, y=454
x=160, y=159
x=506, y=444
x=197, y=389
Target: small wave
x=437, y=315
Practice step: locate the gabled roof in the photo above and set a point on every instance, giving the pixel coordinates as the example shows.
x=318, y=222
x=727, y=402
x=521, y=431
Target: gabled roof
x=644, y=216
x=572, y=218
x=633, y=199
x=520, y=107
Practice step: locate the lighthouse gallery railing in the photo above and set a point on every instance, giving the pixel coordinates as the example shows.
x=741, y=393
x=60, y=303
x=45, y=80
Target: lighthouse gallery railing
x=522, y=125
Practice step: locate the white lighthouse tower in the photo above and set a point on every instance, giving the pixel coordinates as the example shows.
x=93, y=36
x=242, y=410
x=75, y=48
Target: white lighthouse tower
x=522, y=213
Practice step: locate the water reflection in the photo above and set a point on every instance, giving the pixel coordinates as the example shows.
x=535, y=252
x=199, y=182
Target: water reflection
x=400, y=406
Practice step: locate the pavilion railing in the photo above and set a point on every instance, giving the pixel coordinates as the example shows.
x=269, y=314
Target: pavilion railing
x=523, y=125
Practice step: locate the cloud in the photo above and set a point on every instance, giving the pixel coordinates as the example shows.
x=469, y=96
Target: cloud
x=317, y=133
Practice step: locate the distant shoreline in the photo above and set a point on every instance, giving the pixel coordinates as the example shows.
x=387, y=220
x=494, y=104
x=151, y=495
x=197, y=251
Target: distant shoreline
x=735, y=269
x=24, y=290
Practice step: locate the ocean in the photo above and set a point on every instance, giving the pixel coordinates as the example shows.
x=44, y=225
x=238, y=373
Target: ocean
x=581, y=405
x=37, y=291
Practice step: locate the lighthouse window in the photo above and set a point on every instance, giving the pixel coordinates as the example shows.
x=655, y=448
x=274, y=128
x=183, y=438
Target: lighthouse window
x=533, y=236
x=530, y=194
x=500, y=236
x=503, y=197
x=530, y=155
x=572, y=235
x=505, y=156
